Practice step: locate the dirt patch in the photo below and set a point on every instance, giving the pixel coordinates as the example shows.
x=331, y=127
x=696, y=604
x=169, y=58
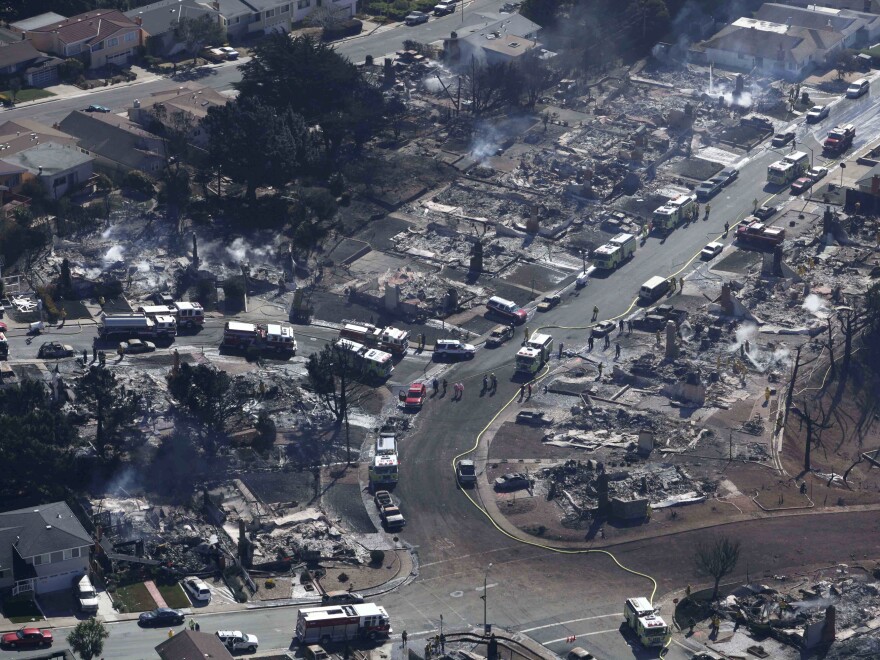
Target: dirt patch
x=697, y=168
x=273, y=588
x=348, y=577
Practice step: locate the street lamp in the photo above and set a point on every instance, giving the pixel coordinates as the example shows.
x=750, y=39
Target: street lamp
x=842, y=168
x=485, y=598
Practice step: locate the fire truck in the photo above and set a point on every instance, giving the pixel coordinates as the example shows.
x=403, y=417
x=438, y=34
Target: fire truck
x=756, y=233
x=342, y=623
x=784, y=171
x=137, y=325
x=614, y=252
x=187, y=314
x=371, y=362
x=840, y=138
x=534, y=354
x=385, y=468
x=643, y=621
x=674, y=212
x=388, y=339
x=277, y=337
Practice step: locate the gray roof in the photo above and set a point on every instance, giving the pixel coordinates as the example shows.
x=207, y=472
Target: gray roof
x=188, y=645
x=18, y=53
x=38, y=21
x=160, y=17
x=52, y=158
x=808, y=18
x=235, y=7
x=40, y=530
x=112, y=137
x=509, y=24
x=868, y=179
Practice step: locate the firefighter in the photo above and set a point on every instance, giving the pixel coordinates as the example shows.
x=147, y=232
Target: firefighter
x=595, y=313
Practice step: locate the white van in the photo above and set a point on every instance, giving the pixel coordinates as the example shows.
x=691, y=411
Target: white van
x=858, y=88
x=653, y=289
x=197, y=589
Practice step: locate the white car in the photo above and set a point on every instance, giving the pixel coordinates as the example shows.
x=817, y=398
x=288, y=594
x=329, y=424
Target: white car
x=817, y=173
x=818, y=113
x=235, y=640
x=453, y=348
x=582, y=279
x=198, y=590
x=711, y=251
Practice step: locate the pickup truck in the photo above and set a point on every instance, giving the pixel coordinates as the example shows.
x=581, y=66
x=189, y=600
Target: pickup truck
x=758, y=234
x=392, y=517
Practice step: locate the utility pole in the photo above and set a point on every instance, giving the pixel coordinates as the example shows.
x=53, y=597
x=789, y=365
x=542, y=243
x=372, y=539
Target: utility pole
x=485, y=598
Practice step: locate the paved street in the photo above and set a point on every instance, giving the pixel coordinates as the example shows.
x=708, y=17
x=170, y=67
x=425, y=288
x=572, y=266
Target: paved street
x=548, y=595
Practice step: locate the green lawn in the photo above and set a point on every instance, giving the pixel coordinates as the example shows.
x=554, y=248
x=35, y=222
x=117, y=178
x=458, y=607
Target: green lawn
x=134, y=598
x=173, y=595
x=21, y=609
x=28, y=95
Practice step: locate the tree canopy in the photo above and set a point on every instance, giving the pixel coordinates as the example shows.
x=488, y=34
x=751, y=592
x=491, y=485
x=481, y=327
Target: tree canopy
x=199, y=31
x=87, y=638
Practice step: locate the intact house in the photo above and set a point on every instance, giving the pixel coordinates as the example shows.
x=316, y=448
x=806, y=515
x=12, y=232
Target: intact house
x=59, y=169
x=244, y=18
x=497, y=38
x=787, y=41
x=159, y=19
x=101, y=37
x=189, y=644
x=184, y=106
x=117, y=143
x=42, y=549
x=34, y=68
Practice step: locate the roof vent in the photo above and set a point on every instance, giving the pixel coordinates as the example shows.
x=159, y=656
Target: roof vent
x=47, y=526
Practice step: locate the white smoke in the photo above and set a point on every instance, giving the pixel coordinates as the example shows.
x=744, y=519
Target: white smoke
x=113, y=255
x=814, y=304
x=238, y=250
x=144, y=267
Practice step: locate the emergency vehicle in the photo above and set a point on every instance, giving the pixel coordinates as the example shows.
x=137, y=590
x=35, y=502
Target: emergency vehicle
x=238, y=334
x=643, y=621
x=840, y=138
x=342, y=623
x=385, y=469
x=784, y=171
x=534, y=354
x=190, y=314
x=674, y=212
x=280, y=338
x=136, y=325
x=393, y=340
x=369, y=361
x=614, y=252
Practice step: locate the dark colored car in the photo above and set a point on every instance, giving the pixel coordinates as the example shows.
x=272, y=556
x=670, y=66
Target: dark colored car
x=726, y=176
x=602, y=328
x=764, y=212
x=382, y=498
x=782, y=139
x=52, y=349
x=416, y=18
x=802, y=185
x=511, y=482
x=163, y=616
x=341, y=598
x=97, y=108
x=27, y=638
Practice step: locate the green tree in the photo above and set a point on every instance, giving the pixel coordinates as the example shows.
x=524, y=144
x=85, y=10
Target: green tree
x=113, y=406
x=138, y=182
x=197, y=32
x=14, y=87
x=542, y=12
x=717, y=559
x=71, y=69
x=87, y=638
x=257, y=145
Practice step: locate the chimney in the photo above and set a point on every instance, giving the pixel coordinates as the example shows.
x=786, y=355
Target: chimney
x=41, y=170
x=138, y=20
x=195, y=252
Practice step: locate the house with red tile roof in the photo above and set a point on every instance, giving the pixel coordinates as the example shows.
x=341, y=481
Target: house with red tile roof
x=101, y=37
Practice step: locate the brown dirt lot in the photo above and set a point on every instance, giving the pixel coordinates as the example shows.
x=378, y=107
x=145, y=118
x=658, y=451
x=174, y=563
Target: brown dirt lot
x=514, y=441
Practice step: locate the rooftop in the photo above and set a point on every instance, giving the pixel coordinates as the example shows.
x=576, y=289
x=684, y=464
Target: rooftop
x=37, y=21
x=40, y=530
x=160, y=17
x=91, y=27
x=48, y=158
x=17, y=52
x=189, y=645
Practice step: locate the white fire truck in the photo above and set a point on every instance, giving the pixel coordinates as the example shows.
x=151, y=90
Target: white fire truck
x=674, y=212
x=342, y=623
x=385, y=467
x=644, y=622
x=534, y=354
x=136, y=325
x=187, y=314
x=276, y=337
x=369, y=361
x=388, y=339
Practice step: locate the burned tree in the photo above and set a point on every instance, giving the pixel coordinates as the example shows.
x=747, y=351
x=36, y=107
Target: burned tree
x=113, y=407
x=717, y=559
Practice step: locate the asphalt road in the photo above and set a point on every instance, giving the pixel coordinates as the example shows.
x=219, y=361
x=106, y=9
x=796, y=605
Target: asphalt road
x=548, y=595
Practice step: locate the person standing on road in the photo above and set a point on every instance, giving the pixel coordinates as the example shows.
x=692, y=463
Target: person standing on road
x=590, y=342
x=460, y=390
x=435, y=383
x=600, y=367
x=522, y=391
x=620, y=327
x=494, y=382
x=629, y=327
x=616, y=350
x=595, y=313
x=530, y=390
x=444, y=387
x=485, y=383
x=403, y=637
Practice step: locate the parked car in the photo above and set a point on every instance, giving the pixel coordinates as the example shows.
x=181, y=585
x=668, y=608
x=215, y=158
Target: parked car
x=782, y=139
x=54, y=350
x=549, y=302
x=197, y=589
x=382, y=498
x=341, y=598
x=817, y=173
x=711, y=250
x=817, y=113
x=708, y=189
x=416, y=18
x=135, y=346
x=453, y=348
x=414, y=397
x=602, y=328
x=444, y=8
x=579, y=653
x=230, y=52
x=3, y=327
x=97, y=108
x=85, y=594
x=161, y=616
x=765, y=212
x=466, y=472
x=499, y=335
x=584, y=277
x=801, y=185
x=726, y=176
x=27, y=638
x=392, y=517
x=512, y=481
x=235, y=640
